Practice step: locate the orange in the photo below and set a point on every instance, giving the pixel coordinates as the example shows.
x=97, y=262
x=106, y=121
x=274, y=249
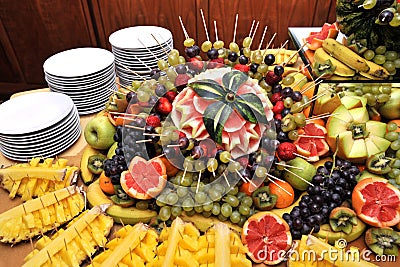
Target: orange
x=248, y=188
x=306, y=111
x=376, y=202
x=171, y=169
x=106, y=184
x=319, y=122
x=398, y=123
x=284, y=192
x=309, y=88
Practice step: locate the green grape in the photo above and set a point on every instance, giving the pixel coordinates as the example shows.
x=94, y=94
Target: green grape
x=142, y=205
x=258, y=59
x=143, y=96
x=173, y=60
x=392, y=126
x=195, y=185
x=162, y=80
x=174, y=52
x=270, y=133
x=244, y=210
x=379, y=59
x=300, y=119
x=171, y=73
x=162, y=64
x=391, y=55
x=380, y=50
x=226, y=210
x=233, y=191
x=369, y=54
x=247, y=201
x=189, y=42
x=234, y=47
x=261, y=172
x=199, y=165
x=247, y=52
x=206, y=213
x=371, y=101
x=212, y=165
x=386, y=89
x=264, y=85
x=232, y=200
x=241, y=195
x=297, y=107
x=375, y=89
x=293, y=135
x=395, y=22
x=398, y=154
x=263, y=68
x=243, y=219
x=200, y=197
x=176, y=211
x=288, y=80
x=170, y=85
x=208, y=206
x=188, y=204
x=165, y=213
x=395, y=145
x=397, y=63
x=389, y=66
x=216, y=208
x=234, y=166
x=382, y=98
x=215, y=195
x=235, y=217
x=198, y=209
x=181, y=60
x=220, y=188
x=395, y=164
x=182, y=191
x=136, y=84
x=359, y=92
x=366, y=89
x=394, y=172
x=172, y=198
x=369, y=4
x=247, y=42
x=391, y=136
x=190, y=213
x=161, y=200
x=288, y=102
x=218, y=44
x=206, y=46
x=222, y=218
x=257, y=76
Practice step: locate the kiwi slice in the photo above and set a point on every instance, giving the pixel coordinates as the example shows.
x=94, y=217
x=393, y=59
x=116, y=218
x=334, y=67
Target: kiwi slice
x=383, y=241
x=96, y=163
x=263, y=199
x=325, y=68
x=359, y=130
x=342, y=219
x=379, y=163
x=121, y=198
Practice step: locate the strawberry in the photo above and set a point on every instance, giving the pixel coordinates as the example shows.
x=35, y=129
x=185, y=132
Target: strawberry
x=275, y=98
x=242, y=68
x=181, y=81
x=215, y=63
x=195, y=64
x=278, y=116
x=163, y=106
x=286, y=151
x=279, y=106
x=170, y=95
x=153, y=120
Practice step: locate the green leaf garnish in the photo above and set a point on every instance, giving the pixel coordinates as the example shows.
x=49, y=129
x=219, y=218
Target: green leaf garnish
x=233, y=80
x=208, y=89
x=250, y=108
x=214, y=119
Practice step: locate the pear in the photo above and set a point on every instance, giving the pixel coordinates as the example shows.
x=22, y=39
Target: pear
x=298, y=176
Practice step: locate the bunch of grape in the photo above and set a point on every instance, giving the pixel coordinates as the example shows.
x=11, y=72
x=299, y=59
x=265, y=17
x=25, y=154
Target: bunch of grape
x=332, y=185
x=390, y=60
x=376, y=94
x=394, y=153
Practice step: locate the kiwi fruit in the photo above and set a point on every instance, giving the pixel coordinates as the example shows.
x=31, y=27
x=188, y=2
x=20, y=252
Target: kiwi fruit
x=379, y=163
x=325, y=68
x=342, y=219
x=121, y=198
x=263, y=199
x=359, y=130
x=96, y=163
x=383, y=241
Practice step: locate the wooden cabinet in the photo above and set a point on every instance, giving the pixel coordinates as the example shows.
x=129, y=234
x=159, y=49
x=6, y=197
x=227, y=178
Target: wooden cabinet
x=33, y=30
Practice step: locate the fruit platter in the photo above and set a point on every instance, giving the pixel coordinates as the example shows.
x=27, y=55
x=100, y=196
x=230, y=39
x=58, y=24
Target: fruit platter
x=232, y=154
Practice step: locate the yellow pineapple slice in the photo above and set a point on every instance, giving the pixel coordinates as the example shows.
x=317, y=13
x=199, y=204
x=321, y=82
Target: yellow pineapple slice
x=174, y=237
x=38, y=215
x=71, y=246
x=205, y=255
x=222, y=245
x=185, y=258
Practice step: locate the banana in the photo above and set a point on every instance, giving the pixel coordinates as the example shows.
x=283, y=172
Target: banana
x=129, y=215
x=345, y=55
x=203, y=224
x=86, y=174
x=375, y=71
x=326, y=232
x=341, y=69
x=280, y=212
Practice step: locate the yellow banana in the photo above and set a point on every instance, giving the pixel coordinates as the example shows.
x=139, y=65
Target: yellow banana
x=345, y=55
x=203, y=223
x=375, y=71
x=129, y=215
x=341, y=69
x=86, y=174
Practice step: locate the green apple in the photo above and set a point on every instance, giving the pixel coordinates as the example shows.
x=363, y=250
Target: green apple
x=99, y=133
x=302, y=169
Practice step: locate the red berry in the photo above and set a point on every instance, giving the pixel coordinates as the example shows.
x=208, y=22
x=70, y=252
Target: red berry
x=181, y=81
x=286, y=151
x=215, y=63
x=278, y=116
x=242, y=68
x=170, y=95
x=279, y=106
x=271, y=78
x=164, y=107
x=195, y=64
x=276, y=97
x=153, y=120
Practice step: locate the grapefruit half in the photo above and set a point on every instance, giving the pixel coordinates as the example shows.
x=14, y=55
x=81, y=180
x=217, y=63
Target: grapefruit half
x=267, y=237
x=144, y=179
x=309, y=146
x=315, y=39
x=377, y=202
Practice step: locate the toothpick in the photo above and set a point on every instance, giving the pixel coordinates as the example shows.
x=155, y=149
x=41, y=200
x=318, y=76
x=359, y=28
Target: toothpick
x=177, y=145
x=204, y=24
x=313, y=99
x=155, y=134
x=143, y=141
x=216, y=30
x=299, y=81
x=298, y=176
x=289, y=166
x=134, y=127
x=282, y=46
x=254, y=33
x=269, y=43
x=184, y=173
x=198, y=182
x=292, y=56
x=183, y=28
x=131, y=71
x=226, y=179
x=244, y=179
x=124, y=87
x=125, y=114
x=321, y=117
x=275, y=178
x=145, y=63
x=262, y=38
x=252, y=25
x=311, y=136
x=234, y=31
x=301, y=69
x=159, y=156
x=300, y=156
x=151, y=52
x=364, y=4
x=159, y=45
x=310, y=86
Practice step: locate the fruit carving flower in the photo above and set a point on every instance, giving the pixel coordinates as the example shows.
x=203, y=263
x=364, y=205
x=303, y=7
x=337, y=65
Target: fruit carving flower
x=226, y=106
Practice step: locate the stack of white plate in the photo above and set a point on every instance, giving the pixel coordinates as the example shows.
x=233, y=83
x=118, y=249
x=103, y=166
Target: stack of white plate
x=41, y=124
x=85, y=74
x=137, y=50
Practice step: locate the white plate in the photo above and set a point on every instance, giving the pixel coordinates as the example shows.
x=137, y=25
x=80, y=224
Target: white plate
x=78, y=62
x=84, y=87
x=129, y=37
x=167, y=44
x=74, y=81
x=32, y=112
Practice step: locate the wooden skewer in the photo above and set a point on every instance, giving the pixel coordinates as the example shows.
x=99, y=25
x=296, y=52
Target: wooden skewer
x=244, y=179
x=282, y=46
x=310, y=86
x=270, y=42
x=262, y=38
x=124, y=87
x=299, y=81
x=292, y=56
x=321, y=117
x=151, y=52
x=255, y=30
x=204, y=24
x=313, y=99
x=198, y=182
x=183, y=28
x=143, y=141
x=176, y=145
x=134, y=127
x=125, y=114
x=289, y=166
x=159, y=45
x=298, y=176
x=252, y=25
x=216, y=30
x=300, y=156
x=234, y=31
x=226, y=179
x=275, y=178
x=155, y=134
x=131, y=71
x=145, y=63
x=312, y=136
x=159, y=156
x=278, y=185
x=301, y=69
x=183, y=175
